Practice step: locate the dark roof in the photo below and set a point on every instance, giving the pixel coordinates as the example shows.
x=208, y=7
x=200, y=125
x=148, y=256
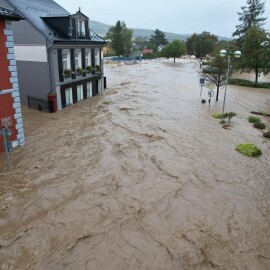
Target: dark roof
x=42, y=14
x=7, y=14
x=32, y=10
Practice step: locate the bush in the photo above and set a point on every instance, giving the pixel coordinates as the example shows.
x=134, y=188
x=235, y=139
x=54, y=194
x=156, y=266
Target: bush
x=248, y=149
x=217, y=115
x=259, y=125
x=254, y=119
x=247, y=83
x=266, y=134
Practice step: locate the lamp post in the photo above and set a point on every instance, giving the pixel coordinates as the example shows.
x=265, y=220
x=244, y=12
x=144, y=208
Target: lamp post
x=223, y=53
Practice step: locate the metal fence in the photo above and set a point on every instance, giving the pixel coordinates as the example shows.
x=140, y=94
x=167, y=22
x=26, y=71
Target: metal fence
x=40, y=104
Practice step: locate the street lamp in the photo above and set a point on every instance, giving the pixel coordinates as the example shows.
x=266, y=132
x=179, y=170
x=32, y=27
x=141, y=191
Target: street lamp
x=223, y=53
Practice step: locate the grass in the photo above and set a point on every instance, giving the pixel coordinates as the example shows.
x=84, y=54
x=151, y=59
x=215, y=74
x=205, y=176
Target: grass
x=248, y=149
x=254, y=119
x=247, y=83
x=217, y=115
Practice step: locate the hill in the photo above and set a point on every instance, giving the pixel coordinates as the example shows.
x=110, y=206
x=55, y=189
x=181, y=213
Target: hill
x=102, y=28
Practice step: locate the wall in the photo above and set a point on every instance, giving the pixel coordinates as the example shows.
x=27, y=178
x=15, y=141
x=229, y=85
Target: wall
x=10, y=108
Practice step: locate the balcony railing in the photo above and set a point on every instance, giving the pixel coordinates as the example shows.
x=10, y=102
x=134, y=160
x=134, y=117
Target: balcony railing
x=80, y=73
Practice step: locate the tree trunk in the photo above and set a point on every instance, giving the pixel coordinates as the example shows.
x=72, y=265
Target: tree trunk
x=217, y=92
x=174, y=59
x=256, y=72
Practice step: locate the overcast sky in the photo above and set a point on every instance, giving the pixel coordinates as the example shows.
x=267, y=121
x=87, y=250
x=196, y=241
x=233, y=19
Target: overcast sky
x=178, y=16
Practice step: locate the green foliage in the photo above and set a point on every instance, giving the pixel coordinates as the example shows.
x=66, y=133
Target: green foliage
x=98, y=68
x=68, y=72
x=152, y=55
x=201, y=44
x=229, y=115
x=216, y=68
x=248, y=149
x=259, y=125
x=121, y=38
x=174, y=49
x=156, y=40
x=89, y=69
x=80, y=71
x=256, y=52
x=247, y=83
x=217, y=115
x=250, y=16
x=140, y=43
x=266, y=134
x=254, y=119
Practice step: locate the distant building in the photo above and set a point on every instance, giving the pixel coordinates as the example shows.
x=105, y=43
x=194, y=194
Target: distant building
x=135, y=54
x=147, y=51
x=58, y=56
x=10, y=107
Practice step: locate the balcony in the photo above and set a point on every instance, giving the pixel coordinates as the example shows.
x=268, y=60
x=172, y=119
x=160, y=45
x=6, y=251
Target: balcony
x=81, y=74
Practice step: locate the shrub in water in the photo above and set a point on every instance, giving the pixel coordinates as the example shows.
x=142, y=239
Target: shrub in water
x=217, y=115
x=259, y=125
x=254, y=119
x=248, y=149
x=230, y=115
x=266, y=134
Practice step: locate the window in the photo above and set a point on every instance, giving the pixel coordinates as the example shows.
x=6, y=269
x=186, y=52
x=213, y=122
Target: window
x=80, y=28
x=69, y=97
x=89, y=89
x=79, y=92
x=97, y=56
x=78, y=59
x=88, y=61
x=66, y=59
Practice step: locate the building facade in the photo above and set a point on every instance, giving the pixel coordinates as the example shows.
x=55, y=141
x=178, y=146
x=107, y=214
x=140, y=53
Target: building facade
x=10, y=107
x=58, y=56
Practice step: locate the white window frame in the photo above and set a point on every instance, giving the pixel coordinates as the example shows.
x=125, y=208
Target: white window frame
x=79, y=92
x=88, y=58
x=78, y=58
x=80, y=27
x=69, y=96
x=66, y=60
x=89, y=90
x=97, y=57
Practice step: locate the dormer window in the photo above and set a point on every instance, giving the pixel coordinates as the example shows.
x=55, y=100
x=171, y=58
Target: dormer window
x=80, y=28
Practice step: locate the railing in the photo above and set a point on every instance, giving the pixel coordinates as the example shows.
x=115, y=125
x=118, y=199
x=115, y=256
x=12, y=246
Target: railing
x=81, y=74
x=40, y=104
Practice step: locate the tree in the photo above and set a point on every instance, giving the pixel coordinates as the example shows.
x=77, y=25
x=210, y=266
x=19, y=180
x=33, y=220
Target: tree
x=201, y=44
x=174, y=49
x=121, y=38
x=251, y=16
x=256, y=52
x=157, y=39
x=140, y=42
x=216, y=67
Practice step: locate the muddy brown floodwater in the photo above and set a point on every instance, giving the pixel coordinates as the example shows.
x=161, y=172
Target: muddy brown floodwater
x=142, y=177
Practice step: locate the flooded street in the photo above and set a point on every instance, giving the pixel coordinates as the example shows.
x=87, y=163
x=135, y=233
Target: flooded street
x=141, y=177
